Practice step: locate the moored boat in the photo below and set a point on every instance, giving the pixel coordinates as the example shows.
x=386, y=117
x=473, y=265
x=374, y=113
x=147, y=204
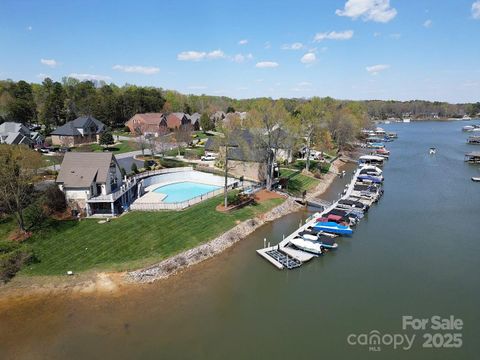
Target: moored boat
x=333, y=227
x=476, y=179
x=306, y=245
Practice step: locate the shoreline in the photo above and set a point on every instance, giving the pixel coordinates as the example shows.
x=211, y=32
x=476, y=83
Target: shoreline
x=103, y=282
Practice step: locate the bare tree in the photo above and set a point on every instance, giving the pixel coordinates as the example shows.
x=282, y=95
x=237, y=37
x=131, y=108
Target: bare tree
x=269, y=122
x=183, y=135
x=230, y=131
x=18, y=166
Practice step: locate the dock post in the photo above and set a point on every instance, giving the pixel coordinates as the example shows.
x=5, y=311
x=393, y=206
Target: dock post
x=264, y=242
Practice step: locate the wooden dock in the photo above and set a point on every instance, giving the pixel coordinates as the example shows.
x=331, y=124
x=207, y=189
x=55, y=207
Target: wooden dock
x=281, y=254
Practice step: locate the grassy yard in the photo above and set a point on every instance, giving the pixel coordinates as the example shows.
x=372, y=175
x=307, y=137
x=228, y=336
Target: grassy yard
x=133, y=240
x=299, y=182
x=120, y=148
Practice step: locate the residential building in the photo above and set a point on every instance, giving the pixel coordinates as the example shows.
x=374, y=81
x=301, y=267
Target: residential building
x=13, y=133
x=82, y=130
x=147, y=123
x=93, y=184
x=195, y=120
x=178, y=119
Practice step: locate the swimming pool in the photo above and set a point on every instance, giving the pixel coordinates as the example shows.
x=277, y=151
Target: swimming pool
x=183, y=191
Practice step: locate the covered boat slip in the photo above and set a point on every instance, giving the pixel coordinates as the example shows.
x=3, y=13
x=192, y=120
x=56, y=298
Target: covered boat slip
x=284, y=247
x=474, y=140
x=473, y=157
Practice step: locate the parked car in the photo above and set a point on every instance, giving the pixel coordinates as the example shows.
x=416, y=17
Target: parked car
x=208, y=157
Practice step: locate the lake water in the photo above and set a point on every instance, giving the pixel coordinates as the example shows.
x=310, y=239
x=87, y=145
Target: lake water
x=416, y=253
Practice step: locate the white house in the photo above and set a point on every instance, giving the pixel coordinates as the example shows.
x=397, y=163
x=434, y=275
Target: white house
x=93, y=183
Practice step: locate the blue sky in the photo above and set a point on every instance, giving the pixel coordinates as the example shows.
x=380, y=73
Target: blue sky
x=355, y=49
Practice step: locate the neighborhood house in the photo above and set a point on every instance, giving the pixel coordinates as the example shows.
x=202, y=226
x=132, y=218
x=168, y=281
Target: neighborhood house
x=82, y=130
x=93, y=184
x=12, y=133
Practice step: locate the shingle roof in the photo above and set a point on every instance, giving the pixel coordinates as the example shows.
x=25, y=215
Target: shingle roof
x=13, y=127
x=150, y=118
x=79, y=170
x=71, y=127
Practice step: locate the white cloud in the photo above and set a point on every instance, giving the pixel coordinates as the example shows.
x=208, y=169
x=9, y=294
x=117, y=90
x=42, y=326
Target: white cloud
x=395, y=36
x=216, y=54
x=29, y=28
x=146, y=70
x=267, y=45
x=293, y=46
x=266, y=64
x=374, y=10
x=191, y=55
x=200, y=55
x=42, y=76
x=89, y=77
x=243, y=42
x=476, y=10
x=428, y=23
x=240, y=58
x=375, y=69
x=333, y=35
x=49, y=62
x=377, y=34
x=308, y=58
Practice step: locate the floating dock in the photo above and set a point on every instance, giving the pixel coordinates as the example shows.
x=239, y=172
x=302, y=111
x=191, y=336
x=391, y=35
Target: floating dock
x=285, y=257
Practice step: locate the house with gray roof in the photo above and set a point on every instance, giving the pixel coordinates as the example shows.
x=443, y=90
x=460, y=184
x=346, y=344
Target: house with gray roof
x=82, y=130
x=13, y=133
x=195, y=120
x=93, y=184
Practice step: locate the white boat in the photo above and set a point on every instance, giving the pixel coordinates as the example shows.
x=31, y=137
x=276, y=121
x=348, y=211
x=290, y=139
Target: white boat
x=406, y=120
x=370, y=170
x=308, y=246
x=371, y=159
x=466, y=117
x=432, y=151
x=476, y=179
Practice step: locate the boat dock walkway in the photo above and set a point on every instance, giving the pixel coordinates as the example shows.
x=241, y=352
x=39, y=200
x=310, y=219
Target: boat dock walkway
x=282, y=256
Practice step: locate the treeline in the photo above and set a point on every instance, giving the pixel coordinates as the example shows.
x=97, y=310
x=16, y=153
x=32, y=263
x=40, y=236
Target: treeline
x=419, y=109
x=54, y=103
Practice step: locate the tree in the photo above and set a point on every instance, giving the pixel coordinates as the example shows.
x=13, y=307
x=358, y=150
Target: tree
x=54, y=199
x=230, y=131
x=53, y=111
x=18, y=166
x=22, y=107
x=230, y=109
x=270, y=123
x=106, y=138
x=183, y=135
x=206, y=124
x=311, y=119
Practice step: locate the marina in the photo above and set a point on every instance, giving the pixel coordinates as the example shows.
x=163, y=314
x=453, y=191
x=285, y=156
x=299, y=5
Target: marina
x=316, y=236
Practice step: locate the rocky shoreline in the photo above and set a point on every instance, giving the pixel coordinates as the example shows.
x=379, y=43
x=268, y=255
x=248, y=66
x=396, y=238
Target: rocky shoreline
x=202, y=252
x=205, y=251
x=103, y=282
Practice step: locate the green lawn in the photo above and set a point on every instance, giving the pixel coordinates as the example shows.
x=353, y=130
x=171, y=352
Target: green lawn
x=120, y=148
x=133, y=240
x=299, y=182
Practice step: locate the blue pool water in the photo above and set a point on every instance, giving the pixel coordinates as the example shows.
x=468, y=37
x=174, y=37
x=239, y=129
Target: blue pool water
x=183, y=191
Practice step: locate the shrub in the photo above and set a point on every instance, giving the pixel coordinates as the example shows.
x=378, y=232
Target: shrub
x=126, y=129
x=34, y=215
x=54, y=199
x=134, y=168
x=13, y=256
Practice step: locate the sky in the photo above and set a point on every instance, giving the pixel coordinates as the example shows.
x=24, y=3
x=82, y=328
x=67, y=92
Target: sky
x=347, y=49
